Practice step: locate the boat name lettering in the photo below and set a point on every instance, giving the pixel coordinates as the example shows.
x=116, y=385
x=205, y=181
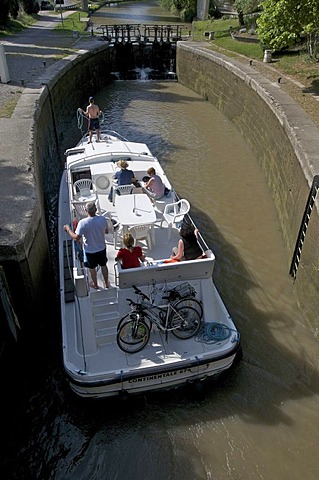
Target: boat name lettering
x=159, y=375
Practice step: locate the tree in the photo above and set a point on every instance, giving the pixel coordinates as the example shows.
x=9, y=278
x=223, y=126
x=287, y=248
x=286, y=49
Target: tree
x=245, y=7
x=29, y=6
x=4, y=12
x=283, y=22
x=14, y=8
x=186, y=9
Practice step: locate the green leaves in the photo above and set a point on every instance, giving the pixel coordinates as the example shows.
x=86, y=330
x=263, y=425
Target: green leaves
x=282, y=22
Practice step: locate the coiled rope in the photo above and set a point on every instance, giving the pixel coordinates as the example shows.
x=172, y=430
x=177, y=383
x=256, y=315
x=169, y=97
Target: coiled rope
x=214, y=332
x=80, y=115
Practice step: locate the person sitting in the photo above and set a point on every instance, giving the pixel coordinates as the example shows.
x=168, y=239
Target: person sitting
x=187, y=248
x=122, y=177
x=154, y=186
x=130, y=256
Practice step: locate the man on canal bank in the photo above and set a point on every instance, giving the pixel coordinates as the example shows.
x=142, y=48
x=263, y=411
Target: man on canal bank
x=92, y=112
x=91, y=230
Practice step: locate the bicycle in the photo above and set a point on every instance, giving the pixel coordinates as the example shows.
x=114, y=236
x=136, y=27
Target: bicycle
x=134, y=329
x=183, y=295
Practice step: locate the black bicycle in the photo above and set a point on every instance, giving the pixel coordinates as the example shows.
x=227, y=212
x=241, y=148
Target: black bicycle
x=134, y=328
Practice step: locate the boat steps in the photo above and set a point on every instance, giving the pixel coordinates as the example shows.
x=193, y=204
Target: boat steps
x=109, y=294
x=106, y=327
x=104, y=308
x=106, y=319
x=105, y=336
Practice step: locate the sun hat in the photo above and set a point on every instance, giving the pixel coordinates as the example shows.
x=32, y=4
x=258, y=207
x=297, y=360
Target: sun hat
x=122, y=164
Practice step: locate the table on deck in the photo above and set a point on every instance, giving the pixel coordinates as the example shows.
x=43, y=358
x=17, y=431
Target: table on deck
x=135, y=209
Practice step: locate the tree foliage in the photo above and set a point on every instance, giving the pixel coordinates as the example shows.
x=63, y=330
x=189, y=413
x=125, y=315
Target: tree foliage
x=247, y=6
x=4, y=11
x=284, y=22
x=10, y=8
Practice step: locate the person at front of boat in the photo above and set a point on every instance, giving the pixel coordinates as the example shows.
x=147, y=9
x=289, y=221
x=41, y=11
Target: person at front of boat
x=130, y=256
x=92, y=112
x=188, y=247
x=91, y=230
x=124, y=176
x=154, y=186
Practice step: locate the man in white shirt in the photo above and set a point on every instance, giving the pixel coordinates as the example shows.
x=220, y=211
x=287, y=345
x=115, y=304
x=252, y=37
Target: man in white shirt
x=92, y=231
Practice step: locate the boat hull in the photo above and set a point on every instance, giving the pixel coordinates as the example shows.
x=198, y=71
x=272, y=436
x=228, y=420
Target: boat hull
x=158, y=379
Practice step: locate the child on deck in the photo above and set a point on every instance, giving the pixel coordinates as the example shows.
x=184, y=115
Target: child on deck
x=130, y=256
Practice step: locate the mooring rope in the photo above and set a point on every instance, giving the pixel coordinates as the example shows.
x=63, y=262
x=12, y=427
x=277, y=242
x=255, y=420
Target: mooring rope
x=214, y=332
x=80, y=115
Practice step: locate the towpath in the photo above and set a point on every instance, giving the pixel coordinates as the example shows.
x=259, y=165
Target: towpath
x=30, y=52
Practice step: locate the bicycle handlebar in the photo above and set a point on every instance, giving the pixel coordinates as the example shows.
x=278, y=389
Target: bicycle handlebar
x=139, y=292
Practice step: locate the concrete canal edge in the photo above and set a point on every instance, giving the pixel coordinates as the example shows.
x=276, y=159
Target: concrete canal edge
x=284, y=140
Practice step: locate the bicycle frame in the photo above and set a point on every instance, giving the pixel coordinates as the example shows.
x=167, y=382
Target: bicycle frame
x=133, y=331
x=152, y=312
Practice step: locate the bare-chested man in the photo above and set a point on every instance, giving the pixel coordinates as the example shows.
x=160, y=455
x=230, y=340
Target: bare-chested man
x=93, y=112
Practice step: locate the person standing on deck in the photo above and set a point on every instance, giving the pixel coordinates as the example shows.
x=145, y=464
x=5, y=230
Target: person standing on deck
x=93, y=112
x=92, y=231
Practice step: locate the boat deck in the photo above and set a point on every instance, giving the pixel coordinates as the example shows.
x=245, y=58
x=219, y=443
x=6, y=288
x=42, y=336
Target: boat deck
x=90, y=317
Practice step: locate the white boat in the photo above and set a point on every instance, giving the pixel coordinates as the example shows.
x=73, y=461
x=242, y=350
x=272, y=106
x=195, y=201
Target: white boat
x=95, y=362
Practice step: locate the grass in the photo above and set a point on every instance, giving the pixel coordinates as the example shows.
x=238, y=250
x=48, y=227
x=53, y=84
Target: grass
x=295, y=63
x=72, y=23
x=8, y=108
x=22, y=22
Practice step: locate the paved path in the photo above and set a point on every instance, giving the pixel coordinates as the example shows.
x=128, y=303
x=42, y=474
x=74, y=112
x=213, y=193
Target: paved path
x=28, y=54
x=27, y=51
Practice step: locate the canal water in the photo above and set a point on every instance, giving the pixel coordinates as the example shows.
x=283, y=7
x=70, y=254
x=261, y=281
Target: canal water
x=258, y=422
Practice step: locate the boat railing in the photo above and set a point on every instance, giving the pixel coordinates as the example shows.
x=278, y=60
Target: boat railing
x=160, y=272
x=80, y=282
x=106, y=131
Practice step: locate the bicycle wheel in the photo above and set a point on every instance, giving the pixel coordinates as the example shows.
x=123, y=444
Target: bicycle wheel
x=185, y=322
x=126, y=318
x=132, y=336
x=190, y=302
x=133, y=316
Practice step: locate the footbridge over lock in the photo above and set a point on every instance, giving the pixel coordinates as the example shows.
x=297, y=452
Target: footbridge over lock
x=143, y=51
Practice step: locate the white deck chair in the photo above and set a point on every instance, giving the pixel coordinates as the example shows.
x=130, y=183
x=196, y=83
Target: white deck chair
x=142, y=232
x=79, y=209
x=114, y=230
x=86, y=190
x=123, y=190
x=174, y=213
x=84, y=187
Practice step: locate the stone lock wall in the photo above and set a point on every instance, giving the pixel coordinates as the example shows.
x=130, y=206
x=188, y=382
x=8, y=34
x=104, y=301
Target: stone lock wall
x=284, y=141
x=47, y=124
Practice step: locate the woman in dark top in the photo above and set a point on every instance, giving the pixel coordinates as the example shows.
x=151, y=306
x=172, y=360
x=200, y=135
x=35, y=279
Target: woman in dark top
x=122, y=177
x=188, y=248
